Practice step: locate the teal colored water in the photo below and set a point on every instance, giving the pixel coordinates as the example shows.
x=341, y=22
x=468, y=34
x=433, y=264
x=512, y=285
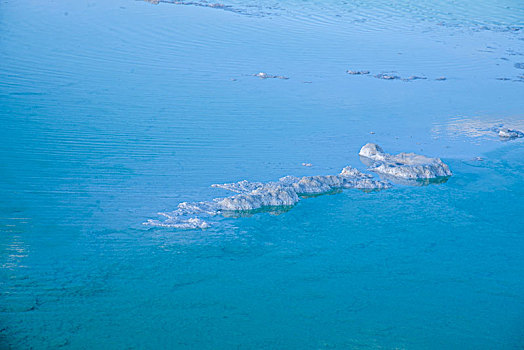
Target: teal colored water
x=113, y=111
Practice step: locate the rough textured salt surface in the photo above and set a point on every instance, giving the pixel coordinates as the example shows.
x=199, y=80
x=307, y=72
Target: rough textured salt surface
x=285, y=192
x=241, y=186
x=270, y=195
x=403, y=165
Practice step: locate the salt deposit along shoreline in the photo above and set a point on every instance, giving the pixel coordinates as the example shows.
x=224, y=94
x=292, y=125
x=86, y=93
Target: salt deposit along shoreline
x=288, y=190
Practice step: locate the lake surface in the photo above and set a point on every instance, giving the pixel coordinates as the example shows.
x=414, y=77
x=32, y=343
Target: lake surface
x=113, y=111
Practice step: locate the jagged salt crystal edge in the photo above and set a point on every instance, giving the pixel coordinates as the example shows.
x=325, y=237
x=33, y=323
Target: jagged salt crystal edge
x=239, y=187
x=256, y=195
x=403, y=165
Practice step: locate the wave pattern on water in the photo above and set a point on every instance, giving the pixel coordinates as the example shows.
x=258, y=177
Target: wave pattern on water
x=500, y=16
x=478, y=128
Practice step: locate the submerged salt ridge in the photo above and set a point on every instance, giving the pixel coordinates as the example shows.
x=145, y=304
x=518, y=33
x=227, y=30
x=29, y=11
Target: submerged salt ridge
x=288, y=190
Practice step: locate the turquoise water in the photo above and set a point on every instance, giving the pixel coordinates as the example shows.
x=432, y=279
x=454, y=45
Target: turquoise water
x=113, y=111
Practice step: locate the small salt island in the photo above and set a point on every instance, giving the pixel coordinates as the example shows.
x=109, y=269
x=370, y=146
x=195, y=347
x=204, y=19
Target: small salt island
x=403, y=165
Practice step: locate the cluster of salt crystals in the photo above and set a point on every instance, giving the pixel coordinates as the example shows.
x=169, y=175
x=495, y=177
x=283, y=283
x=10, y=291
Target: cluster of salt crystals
x=288, y=190
x=256, y=195
x=270, y=195
x=403, y=165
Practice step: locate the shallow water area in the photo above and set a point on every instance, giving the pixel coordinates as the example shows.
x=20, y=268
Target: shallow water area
x=113, y=111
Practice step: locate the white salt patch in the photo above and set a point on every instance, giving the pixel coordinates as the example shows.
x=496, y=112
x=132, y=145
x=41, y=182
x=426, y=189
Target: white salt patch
x=403, y=165
x=271, y=195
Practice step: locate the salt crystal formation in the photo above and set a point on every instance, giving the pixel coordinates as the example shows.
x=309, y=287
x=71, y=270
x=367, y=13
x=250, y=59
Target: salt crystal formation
x=288, y=190
x=403, y=165
x=257, y=195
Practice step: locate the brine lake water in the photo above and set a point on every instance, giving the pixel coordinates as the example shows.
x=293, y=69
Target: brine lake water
x=113, y=111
